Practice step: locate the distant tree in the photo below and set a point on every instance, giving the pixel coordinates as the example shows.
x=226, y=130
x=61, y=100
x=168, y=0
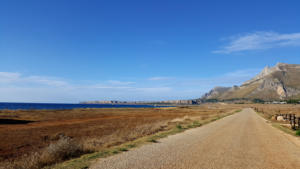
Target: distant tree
x=292, y=101
x=212, y=100
x=258, y=101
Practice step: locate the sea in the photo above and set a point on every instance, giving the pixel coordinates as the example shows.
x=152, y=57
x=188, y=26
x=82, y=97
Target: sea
x=33, y=106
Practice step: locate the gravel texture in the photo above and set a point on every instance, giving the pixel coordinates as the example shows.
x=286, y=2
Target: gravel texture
x=243, y=140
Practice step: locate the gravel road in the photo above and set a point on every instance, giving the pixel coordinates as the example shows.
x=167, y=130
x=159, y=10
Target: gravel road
x=241, y=141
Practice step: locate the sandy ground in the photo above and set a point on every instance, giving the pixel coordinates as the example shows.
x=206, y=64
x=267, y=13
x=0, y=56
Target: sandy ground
x=243, y=140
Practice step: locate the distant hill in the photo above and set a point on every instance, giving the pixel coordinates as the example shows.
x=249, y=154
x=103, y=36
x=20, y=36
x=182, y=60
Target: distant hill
x=216, y=92
x=281, y=82
x=140, y=102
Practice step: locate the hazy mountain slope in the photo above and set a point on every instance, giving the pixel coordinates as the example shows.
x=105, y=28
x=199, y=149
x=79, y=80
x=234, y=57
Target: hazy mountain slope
x=273, y=83
x=216, y=92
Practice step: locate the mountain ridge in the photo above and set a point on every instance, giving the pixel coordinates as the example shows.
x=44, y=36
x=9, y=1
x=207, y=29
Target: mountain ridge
x=280, y=82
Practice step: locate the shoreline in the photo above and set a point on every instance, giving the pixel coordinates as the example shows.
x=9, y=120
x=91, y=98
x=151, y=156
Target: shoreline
x=62, y=106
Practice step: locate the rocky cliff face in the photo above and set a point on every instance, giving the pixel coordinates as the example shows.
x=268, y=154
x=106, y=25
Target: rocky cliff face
x=273, y=83
x=216, y=92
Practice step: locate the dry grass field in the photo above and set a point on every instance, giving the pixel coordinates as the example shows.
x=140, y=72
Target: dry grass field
x=37, y=138
x=268, y=110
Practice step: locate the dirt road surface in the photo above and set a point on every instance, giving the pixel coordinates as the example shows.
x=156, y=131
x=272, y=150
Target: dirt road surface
x=241, y=141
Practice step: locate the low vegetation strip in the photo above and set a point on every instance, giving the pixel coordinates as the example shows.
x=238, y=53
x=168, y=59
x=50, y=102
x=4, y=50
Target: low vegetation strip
x=273, y=114
x=243, y=140
x=65, y=134
x=85, y=160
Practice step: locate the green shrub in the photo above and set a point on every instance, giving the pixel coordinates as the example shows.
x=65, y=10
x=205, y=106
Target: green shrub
x=152, y=140
x=63, y=149
x=123, y=149
x=178, y=126
x=298, y=132
x=131, y=145
x=196, y=124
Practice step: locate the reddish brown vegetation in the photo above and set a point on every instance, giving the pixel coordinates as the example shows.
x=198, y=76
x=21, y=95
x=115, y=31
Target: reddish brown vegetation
x=270, y=110
x=92, y=129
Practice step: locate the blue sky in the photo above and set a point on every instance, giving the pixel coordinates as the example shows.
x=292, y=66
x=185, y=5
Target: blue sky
x=75, y=50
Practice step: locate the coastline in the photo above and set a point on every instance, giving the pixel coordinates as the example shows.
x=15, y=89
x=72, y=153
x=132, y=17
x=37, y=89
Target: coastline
x=68, y=106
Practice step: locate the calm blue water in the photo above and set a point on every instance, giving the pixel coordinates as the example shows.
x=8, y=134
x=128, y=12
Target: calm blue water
x=15, y=106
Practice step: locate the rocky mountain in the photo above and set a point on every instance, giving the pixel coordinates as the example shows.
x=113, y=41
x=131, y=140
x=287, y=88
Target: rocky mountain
x=216, y=92
x=280, y=82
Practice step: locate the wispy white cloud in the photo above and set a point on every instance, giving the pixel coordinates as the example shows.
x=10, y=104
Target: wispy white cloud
x=258, y=41
x=18, y=78
x=50, y=81
x=8, y=77
x=103, y=86
x=117, y=82
x=158, y=78
x=228, y=79
x=16, y=87
x=153, y=89
x=247, y=73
